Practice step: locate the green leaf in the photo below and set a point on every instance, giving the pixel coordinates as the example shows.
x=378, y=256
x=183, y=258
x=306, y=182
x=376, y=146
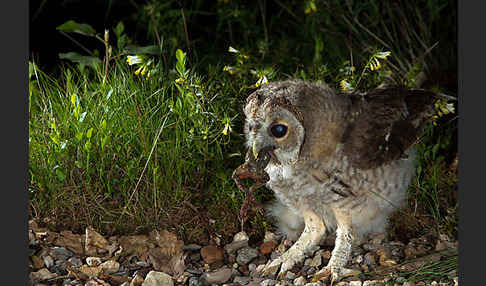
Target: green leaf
x=89, y=133
x=180, y=55
x=103, y=124
x=80, y=59
x=150, y=50
x=80, y=28
x=79, y=136
x=119, y=29
x=87, y=146
x=60, y=174
x=73, y=99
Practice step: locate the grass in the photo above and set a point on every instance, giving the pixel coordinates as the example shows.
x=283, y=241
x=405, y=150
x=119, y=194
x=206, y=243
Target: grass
x=127, y=148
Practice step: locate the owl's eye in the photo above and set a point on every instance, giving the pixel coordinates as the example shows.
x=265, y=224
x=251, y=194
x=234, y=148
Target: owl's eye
x=278, y=130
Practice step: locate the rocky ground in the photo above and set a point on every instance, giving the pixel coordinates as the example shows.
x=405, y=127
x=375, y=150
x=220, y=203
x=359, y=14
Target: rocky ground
x=160, y=258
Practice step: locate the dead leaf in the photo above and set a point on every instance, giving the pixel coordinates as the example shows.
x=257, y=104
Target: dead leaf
x=91, y=271
x=167, y=241
x=95, y=242
x=71, y=241
x=135, y=244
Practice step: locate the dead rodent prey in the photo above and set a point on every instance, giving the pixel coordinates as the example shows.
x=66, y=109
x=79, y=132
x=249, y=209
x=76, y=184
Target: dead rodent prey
x=253, y=168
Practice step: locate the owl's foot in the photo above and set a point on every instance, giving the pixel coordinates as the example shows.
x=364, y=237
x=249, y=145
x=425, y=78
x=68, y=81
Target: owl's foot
x=285, y=262
x=334, y=273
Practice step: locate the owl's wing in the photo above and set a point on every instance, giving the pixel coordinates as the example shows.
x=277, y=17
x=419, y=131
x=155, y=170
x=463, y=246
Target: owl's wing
x=384, y=124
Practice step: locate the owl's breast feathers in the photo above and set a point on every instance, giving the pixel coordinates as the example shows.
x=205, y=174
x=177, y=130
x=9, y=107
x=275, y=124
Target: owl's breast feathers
x=384, y=124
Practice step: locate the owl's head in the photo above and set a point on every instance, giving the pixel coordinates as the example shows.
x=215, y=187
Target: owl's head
x=281, y=116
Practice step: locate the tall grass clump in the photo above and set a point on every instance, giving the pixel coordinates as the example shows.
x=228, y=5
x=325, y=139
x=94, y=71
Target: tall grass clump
x=130, y=148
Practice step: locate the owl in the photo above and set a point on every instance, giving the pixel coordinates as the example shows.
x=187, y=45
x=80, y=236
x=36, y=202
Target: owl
x=338, y=163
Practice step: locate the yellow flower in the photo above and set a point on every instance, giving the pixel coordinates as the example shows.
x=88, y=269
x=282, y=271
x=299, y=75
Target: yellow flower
x=233, y=50
x=345, y=85
x=134, y=60
x=227, y=127
x=180, y=80
x=262, y=80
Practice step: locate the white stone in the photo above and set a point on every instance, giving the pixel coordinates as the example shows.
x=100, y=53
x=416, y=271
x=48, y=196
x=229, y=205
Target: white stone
x=155, y=278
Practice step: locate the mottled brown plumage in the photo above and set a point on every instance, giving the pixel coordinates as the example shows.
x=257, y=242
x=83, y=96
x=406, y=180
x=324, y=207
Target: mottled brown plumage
x=339, y=162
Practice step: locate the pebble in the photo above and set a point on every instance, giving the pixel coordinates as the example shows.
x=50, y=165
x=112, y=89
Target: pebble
x=267, y=247
x=242, y=280
x=290, y=275
x=300, y=281
x=314, y=284
x=211, y=254
x=75, y=261
x=355, y=283
x=216, y=277
x=245, y=255
x=93, y=261
x=372, y=283
x=110, y=266
x=268, y=282
x=61, y=253
x=155, y=278
x=240, y=240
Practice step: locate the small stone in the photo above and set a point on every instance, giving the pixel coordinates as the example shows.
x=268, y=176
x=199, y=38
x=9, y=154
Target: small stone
x=434, y=283
x=299, y=281
x=240, y=240
x=409, y=283
x=75, y=261
x=191, y=247
x=42, y=274
x=155, y=278
x=252, y=267
x=211, y=254
x=290, y=275
x=267, y=247
x=241, y=280
x=268, y=282
x=96, y=282
x=60, y=253
x=110, y=266
x=355, y=283
x=314, y=284
x=270, y=236
x=456, y=281
x=245, y=255
x=217, y=277
x=93, y=261
x=343, y=283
